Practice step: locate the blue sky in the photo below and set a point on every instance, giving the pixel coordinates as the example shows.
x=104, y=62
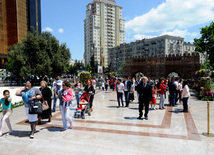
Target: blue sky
x=144, y=19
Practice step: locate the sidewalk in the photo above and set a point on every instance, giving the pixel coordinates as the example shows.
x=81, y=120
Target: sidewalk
x=112, y=131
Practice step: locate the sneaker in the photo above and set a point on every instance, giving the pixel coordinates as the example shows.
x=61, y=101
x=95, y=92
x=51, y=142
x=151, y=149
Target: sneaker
x=146, y=118
x=154, y=108
x=31, y=136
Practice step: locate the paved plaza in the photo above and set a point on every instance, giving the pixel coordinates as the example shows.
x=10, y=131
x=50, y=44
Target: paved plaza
x=112, y=130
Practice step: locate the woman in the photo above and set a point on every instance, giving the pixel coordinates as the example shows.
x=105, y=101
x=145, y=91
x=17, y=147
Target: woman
x=186, y=96
x=131, y=95
x=94, y=83
x=28, y=94
x=162, y=88
x=78, y=89
x=65, y=97
x=106, y=84
x=90, y=90
x=46, y=95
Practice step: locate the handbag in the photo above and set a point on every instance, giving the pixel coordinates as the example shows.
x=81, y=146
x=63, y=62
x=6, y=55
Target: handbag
x=45, y=105
x=35, y=107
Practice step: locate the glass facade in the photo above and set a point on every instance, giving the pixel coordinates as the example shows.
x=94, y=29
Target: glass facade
x=34, y=14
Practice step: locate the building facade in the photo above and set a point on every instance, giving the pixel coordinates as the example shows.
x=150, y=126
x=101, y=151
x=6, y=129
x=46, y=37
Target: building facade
x=157, y=46
x=104, y=28
x=15, y=17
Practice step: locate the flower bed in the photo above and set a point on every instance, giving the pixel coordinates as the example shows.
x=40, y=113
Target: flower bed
x=204, y=85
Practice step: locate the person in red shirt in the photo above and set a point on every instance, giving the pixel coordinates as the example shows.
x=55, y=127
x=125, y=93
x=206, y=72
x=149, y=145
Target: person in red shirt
x=153, y=102
x=162, y=89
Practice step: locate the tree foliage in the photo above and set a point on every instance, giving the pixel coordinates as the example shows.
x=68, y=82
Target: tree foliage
x=38, y=55
x=93, y=64
x=122, y=67
x=206, y=42
x=75, y=67
x=206, y=65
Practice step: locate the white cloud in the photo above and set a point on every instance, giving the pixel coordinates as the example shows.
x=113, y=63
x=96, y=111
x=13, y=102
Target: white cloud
x=141, y=36
x=176, y=32
x=47, y=29
x=60, y=30
x=179, y=14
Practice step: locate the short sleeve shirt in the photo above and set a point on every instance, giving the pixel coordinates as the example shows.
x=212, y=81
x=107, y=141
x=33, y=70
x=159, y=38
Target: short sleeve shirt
x=3, y=104
x=27, y=94
x=121, y=85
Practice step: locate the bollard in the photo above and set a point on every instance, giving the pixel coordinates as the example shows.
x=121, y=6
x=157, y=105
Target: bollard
x=208, y=134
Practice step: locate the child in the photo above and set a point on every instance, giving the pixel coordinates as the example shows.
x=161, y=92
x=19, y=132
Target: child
x=103, y=85
x=153, y=99
x=7, y=111
x=67, y=96
x=56, y=91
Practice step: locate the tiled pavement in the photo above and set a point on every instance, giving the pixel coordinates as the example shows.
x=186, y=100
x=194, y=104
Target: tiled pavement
x=115, y=131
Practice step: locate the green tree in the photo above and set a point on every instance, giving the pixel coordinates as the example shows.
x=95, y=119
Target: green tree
x=75, y=67
x=206, y=42
x=38, y=55
x=93, y=64
x=122, y=67
x=206, y=65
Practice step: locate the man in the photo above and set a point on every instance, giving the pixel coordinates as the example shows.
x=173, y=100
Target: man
x=172, y=91
x=137, y=82
x=55, y=83
x=127, y=90
x=145, y=95
x=119, y=88
x=177, y=89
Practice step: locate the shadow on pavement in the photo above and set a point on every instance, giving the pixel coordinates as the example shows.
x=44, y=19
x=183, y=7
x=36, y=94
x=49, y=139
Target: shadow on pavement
x=113, y=100
x=52, y=129
x=20, y=134
x=176, y=111
x=134, y=108
x=112, y=106
x=130, y=118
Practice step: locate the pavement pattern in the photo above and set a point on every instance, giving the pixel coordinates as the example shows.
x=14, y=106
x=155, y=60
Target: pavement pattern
x=112, y=130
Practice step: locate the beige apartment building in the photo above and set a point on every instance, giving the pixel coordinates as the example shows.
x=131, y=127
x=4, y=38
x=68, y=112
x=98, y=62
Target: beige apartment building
x=162, y=45
x=104, y=28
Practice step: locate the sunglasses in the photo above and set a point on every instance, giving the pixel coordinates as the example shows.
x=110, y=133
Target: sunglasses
x=28, y=83
x=63, y=85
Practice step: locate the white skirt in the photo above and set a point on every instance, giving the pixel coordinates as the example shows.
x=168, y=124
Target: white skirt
x=31, y=117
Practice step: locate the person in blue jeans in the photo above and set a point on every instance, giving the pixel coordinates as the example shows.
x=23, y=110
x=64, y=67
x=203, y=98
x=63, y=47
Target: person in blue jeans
x=99, y=82
x=78, y=89
x=185, y=96
x=56, y=83
x=127, y=83
x=120, y=88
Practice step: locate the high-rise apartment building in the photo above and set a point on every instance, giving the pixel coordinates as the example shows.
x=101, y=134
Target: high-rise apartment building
x=162, y=45
x=104, y=28
x=16, y=18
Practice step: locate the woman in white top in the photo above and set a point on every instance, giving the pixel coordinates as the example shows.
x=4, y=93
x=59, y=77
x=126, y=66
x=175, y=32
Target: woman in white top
x=186, y=96
x=120, y=88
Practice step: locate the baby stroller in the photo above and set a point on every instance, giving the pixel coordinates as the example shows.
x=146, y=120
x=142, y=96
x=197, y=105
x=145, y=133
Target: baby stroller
x=83, y=106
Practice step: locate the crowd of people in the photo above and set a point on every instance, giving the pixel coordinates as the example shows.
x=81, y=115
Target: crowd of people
x=147, y=91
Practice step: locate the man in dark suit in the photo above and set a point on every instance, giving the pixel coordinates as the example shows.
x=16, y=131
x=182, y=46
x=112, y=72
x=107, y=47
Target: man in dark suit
x=145, y=95
x=127, y=85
